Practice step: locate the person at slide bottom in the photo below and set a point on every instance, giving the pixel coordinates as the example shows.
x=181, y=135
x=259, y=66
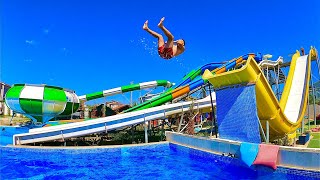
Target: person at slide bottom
x=170, y=48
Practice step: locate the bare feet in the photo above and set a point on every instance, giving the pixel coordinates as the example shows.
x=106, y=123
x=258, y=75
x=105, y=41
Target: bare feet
x=145, y=25
x=161, y=22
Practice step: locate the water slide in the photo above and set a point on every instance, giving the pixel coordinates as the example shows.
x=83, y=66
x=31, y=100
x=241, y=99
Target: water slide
x=191, y=82
x=123, y=89
x=133, y=87
x=144, y=112
x=198, y=72
x=285, y=116
x=266, y=63
x=105, y=124
x=44, y=102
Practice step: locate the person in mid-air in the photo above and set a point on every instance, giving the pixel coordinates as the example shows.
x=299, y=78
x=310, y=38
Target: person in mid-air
x=170, y=48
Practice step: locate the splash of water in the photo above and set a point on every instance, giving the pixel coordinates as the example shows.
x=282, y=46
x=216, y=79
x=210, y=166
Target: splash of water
x=151, y=47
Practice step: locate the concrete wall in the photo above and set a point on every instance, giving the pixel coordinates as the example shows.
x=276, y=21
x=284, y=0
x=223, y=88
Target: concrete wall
x=292, y=157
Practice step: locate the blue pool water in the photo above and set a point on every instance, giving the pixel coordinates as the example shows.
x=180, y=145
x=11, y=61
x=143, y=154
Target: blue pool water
x=7, y=132
x=157, y=161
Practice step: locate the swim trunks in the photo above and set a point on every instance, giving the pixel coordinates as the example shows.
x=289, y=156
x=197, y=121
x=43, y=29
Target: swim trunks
x=165, y=52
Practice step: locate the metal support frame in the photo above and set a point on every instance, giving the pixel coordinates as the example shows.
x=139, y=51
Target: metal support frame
x=262, y=132
x=268, y=74
x=274, y=79
x=162, y=130
x=277, y=82
x=302, y=125
x=314, y=102
x=105, y=128
x=149, y=128
x=198, y=112
x=132, y=134
x=62, y=136
x=19, y=142
x=181, y=118
x=72, y=107
x=265, y=135
x=318, y=63
x=145, y=125
x=213, y=116
x=308, y=114
x=11, y=118
x=189, y=121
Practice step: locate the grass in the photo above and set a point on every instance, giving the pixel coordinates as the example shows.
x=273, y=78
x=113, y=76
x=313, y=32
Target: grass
x=315, y=141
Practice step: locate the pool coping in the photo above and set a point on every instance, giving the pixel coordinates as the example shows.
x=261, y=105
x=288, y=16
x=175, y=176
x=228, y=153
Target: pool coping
x=288, y=157
x=88, y=147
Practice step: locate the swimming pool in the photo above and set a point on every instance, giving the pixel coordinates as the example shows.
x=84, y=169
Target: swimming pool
x=7, y=132
x=155, y=161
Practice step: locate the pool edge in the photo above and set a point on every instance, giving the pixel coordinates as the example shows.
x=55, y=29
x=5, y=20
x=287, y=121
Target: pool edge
x=289, y=157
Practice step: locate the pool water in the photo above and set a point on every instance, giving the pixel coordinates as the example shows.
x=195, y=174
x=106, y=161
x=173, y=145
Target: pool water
x=157, y=161
x=7, y=132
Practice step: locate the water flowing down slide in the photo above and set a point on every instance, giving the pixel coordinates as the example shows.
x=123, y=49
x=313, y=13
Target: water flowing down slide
x=285, y=116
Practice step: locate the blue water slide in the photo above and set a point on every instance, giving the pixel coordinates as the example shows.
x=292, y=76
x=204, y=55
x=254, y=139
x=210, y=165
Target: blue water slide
x=196, y=83
x=210, y=66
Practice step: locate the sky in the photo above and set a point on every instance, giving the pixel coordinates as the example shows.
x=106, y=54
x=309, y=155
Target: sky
x=90, y=46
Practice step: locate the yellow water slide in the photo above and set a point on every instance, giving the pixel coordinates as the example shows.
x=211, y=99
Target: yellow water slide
x=285, y=116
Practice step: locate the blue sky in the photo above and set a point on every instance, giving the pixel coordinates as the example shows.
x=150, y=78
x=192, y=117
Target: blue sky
x=90, y=46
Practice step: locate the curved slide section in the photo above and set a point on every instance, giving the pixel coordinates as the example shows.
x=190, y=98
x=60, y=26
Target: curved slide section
x=191, y=82
x=192, y=75
x=105, y=124
x=168, y=96
x=269, y=63
x=123, y=89
x=195, y=73
x=285, y=116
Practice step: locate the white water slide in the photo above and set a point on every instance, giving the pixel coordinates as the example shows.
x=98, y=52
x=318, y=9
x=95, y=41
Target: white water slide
x=62, y=132
x=270, y=63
